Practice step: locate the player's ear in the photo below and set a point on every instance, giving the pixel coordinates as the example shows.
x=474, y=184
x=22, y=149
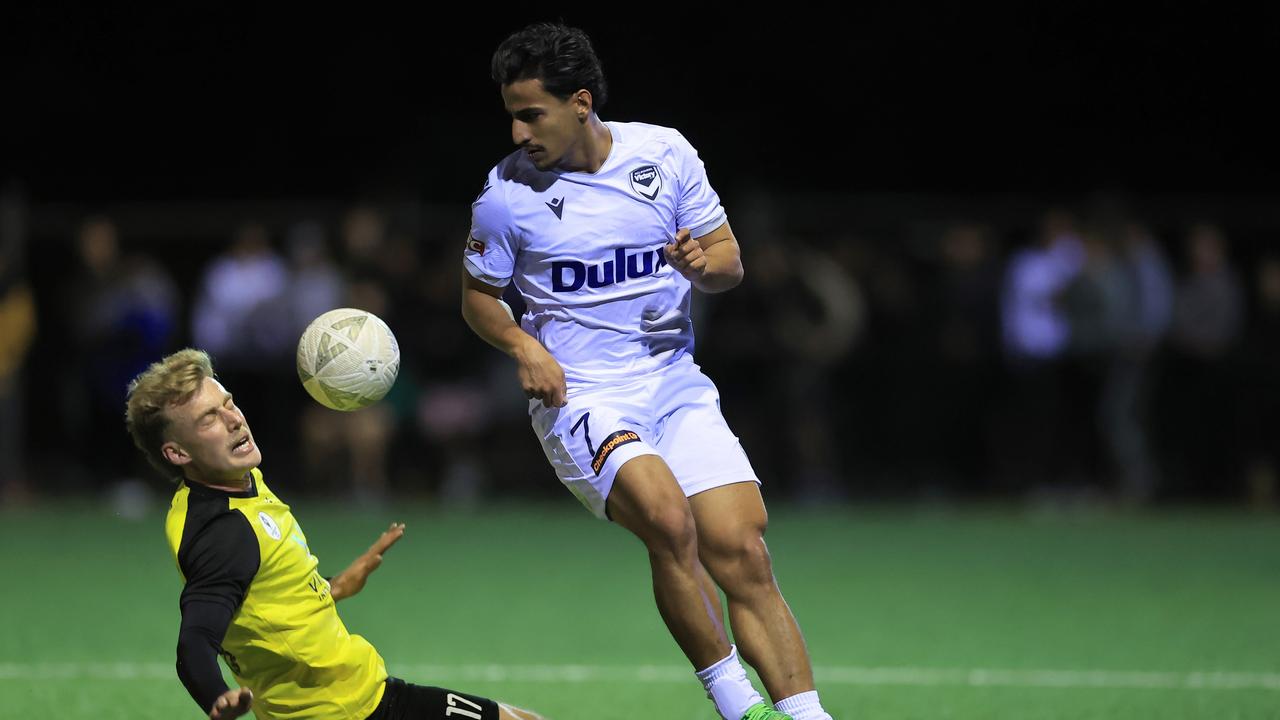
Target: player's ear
x=582, y=101
x=174, y=453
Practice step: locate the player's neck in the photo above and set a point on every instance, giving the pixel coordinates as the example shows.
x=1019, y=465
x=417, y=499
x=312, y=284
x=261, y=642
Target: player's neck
x=240, y=484
x=594, y=150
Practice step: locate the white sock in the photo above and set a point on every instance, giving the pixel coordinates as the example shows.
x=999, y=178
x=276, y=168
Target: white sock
x=728, y=687
x=804, y=706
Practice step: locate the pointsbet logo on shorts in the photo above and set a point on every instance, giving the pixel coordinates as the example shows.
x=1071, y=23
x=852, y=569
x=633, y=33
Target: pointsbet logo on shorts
x=611, y=443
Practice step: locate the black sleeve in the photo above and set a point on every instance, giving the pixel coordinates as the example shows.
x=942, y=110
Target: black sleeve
x=219, y=563
x=204, y=624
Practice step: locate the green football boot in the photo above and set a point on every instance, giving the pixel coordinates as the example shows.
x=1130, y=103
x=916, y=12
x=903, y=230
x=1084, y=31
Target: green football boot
x=764, y=711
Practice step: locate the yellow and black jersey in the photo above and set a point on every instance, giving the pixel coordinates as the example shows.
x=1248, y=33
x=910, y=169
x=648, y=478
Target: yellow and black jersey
x=253, y=594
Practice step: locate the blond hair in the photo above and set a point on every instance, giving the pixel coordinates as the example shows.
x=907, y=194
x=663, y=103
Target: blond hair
x=171, y=381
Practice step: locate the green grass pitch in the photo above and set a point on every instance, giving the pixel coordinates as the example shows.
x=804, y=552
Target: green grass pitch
x=909, y=613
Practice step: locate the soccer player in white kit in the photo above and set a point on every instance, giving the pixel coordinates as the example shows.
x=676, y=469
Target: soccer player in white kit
x=605, y=228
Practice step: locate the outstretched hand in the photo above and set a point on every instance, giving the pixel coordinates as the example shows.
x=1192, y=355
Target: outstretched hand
x=231, y=704
x=352, y=580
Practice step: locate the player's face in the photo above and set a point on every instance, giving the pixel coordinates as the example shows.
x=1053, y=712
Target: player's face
x=543, y=125
x=209, y=437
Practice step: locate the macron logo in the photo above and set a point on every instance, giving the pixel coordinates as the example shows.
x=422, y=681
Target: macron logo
x=571, y=275
x=557, y=207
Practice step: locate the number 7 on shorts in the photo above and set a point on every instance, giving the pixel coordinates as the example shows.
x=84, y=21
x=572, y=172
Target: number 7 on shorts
x=586, y=429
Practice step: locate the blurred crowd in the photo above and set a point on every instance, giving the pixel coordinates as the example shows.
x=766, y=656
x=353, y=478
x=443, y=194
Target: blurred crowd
x=1081, y=356
x=1087, y=357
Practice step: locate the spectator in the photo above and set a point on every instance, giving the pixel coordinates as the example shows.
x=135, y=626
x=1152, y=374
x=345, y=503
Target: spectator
x=1260, y=406
x=1124, y=412
x=242, y=317
x=1036, y=333
x=1200, y=394
x=239, y=316
x=963, y=350
x=123, y=313
x=316, y=285
x=348, y=451
x=17, y=331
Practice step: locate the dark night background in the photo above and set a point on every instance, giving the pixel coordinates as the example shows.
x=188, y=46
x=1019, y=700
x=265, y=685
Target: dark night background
x=877, y=136
x=124, y=104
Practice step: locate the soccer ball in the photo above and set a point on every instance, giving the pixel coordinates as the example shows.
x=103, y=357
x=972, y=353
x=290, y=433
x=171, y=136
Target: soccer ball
x=348, y=359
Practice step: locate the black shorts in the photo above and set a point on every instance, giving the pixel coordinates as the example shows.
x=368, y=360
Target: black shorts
x=406, y=701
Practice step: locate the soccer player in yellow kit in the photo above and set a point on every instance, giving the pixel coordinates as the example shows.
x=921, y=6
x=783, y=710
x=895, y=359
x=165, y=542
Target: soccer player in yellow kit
x=253, y=593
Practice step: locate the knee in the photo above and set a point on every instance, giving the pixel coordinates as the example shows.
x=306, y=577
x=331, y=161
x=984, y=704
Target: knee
x=671, y=533
x=741, y=559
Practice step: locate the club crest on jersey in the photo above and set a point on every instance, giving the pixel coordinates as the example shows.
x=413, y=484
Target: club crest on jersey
x=647, y=181
x=571, y=275
x=269, y=525
x=475, y=246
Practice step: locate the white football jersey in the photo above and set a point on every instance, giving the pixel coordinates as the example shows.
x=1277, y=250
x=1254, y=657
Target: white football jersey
x=585, y=251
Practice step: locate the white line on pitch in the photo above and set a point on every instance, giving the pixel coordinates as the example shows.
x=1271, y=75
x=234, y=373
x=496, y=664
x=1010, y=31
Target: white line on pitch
x=577, y=674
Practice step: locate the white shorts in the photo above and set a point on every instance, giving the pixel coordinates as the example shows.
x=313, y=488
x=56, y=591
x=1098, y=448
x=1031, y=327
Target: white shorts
x=673, y=413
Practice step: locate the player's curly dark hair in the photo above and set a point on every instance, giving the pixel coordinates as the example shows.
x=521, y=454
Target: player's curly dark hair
x=558, y=55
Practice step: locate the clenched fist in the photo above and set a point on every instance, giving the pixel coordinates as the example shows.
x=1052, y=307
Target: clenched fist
x=686, y=256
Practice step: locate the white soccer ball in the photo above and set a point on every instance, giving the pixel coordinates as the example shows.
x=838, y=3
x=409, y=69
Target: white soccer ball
x=348, y=359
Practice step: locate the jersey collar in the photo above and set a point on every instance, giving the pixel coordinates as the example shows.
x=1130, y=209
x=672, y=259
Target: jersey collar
x=200, y=489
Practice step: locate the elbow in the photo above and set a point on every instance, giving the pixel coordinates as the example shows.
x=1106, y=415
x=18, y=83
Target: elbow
x=190, y=644
x=187, y=649
x=465, y=306
x=730, y=270
x=194, y=642
x=721, y=280
x=729, y=279
x=735, y=277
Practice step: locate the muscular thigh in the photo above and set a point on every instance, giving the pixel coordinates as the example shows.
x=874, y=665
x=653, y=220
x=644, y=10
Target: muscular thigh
x=729, y=518
x=647, y=500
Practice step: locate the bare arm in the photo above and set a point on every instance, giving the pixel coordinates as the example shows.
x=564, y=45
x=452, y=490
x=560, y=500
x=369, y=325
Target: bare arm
x=713, y=262
x=540, y=375
x=487, y=317
x=352, y=580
